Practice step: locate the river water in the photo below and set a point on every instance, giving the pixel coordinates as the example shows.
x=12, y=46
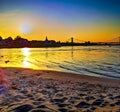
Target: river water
x=101, y=61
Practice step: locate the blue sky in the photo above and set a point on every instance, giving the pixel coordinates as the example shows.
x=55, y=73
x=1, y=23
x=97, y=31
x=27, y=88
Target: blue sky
x=108, y=7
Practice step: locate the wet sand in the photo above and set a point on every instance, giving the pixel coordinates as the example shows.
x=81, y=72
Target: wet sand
x=50, y=91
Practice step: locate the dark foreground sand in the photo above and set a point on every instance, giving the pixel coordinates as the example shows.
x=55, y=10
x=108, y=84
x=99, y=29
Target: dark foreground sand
x=50, y=91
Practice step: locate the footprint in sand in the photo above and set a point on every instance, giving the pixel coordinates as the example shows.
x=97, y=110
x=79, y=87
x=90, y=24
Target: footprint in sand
x=23, y=108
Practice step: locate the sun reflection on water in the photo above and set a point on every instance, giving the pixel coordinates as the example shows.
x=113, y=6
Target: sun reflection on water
x=26, y=53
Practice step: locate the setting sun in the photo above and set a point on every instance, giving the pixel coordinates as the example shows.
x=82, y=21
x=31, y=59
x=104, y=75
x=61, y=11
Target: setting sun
x=25, y=28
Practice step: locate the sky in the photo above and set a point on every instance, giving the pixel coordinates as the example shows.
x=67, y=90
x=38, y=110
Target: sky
x=86, y=20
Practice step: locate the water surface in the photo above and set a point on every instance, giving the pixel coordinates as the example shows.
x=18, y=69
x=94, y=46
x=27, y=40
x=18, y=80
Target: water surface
x=102, y=61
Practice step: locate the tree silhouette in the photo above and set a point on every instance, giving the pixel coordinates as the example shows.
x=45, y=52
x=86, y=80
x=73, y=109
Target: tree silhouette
x=1, y=38
x=9, y=39
x=19, y=38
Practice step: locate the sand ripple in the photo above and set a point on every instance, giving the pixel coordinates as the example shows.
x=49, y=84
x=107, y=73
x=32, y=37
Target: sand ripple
x=33, y=91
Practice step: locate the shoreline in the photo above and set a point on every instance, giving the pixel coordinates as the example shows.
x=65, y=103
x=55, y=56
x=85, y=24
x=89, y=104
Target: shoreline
x=53, y=91
x=61, y=75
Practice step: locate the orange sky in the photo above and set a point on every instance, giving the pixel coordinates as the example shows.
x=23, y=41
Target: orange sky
x=33, y=26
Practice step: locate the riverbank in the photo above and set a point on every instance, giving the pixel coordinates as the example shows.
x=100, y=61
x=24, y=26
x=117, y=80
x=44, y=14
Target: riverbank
x=50, y=91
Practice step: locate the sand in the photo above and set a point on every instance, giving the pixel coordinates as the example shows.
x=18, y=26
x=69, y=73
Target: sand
x=50, y=91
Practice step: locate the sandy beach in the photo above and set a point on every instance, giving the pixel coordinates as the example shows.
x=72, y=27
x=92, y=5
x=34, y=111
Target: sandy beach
x=50, y=91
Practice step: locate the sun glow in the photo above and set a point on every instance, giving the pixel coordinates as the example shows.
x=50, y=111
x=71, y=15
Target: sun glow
x=25, y=28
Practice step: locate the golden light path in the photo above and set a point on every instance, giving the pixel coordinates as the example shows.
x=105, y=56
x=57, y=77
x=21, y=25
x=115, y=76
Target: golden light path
x=26, y=53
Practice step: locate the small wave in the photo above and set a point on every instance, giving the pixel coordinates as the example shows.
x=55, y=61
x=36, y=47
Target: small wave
x=54, y=62
x=69, y=69
x=70, y=62
x=102, y=74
